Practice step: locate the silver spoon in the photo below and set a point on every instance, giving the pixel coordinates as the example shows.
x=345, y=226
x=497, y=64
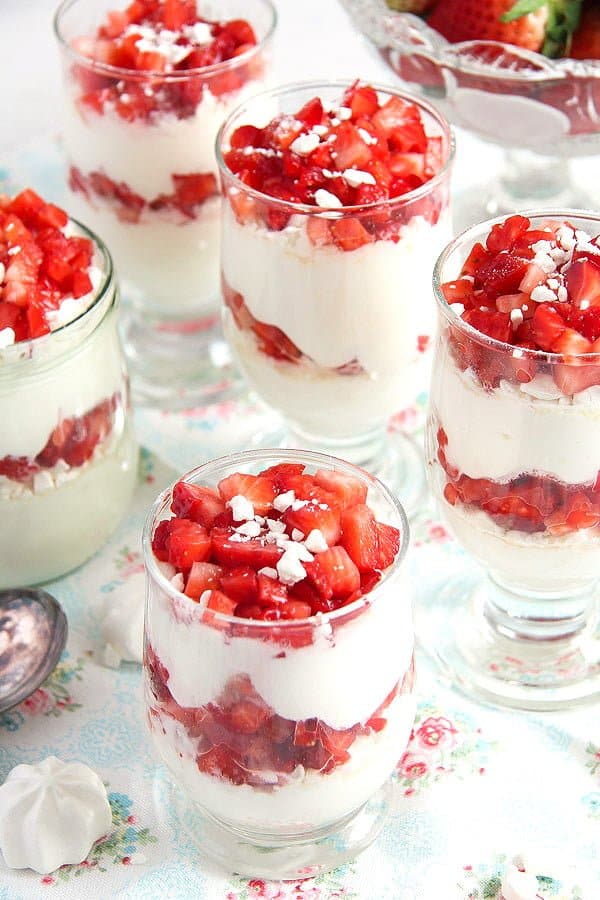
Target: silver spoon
x=33, y=634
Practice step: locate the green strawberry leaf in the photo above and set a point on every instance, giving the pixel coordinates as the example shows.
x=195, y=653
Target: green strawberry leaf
x=522, y=8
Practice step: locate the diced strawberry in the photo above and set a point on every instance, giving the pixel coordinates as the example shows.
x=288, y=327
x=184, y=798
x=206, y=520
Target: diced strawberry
x=311, y=516
x=196, y=502
x=571, y=344
x=160, y=536
x=502, y=274
x=337, y=741
x=507, y=302
x=281, y=473
x=547, y=326
x=255, y=553
x=477, y=257
x=496, y=325
x=306, y=733
x=318, y=231
x=534, y=275
x=505, y=234
x=218, y=763
x=360, y=536
x=270, y=591
x=319, y=579
x=348, y=489
x=583, y=283
x=573, y=378
x=245, y=136
x=311, y=113
x=362, y=100
x=18, y=468
x=204, y=576
x=219, y=602
x=388, y=545
x=349, y=234
x=247, y=717
x=459, y=291
x=255, y=488
x=350, y=148
x=272, y=341
x=343, y=573
x=240, y=584
x=188, y=544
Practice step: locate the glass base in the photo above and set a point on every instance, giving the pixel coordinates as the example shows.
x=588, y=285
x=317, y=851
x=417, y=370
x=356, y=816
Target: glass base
x=527, y=181
x=177, y=366
x=281, y=858
x=392, y=456
x=490, y=650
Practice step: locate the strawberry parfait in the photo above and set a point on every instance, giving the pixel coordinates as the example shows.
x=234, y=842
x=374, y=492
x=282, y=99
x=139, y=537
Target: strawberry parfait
x=146, y=90
x=270, y=575
x=65, y=439
x=515, y=414
x=341, y=203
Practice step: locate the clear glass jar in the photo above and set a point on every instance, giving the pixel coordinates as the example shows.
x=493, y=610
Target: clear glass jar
x=336, y=340
x=333, y=696
x=142, y=172
x=513, y=446
x=68, y=455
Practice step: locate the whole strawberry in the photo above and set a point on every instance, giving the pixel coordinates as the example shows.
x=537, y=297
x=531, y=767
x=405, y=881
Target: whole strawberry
x=586, y=40
x=544, y=26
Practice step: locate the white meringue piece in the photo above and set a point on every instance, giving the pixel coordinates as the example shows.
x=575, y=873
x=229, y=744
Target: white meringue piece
x=517, y=885
x=51, y=814
x=122, y=623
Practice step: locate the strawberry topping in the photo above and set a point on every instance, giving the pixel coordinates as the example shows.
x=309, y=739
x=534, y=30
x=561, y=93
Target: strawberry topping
x=534, y=289
x=366, y=151
x=279, y=545
x=158, y=38
x=40, y=267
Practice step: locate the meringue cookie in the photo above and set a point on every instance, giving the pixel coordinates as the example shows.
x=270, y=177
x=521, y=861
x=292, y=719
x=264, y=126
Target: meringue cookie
x=122, y=624
x=51, y=814
x=517, y=885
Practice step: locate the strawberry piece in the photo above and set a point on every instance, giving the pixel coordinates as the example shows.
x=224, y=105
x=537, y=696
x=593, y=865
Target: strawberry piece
x=204, y=576
x=583, y=283
x=312, y=516
x=350, y=148
x=272, y=341
x=502, y=274
x=496, y=325
x=349, y=234
x=347, y=489
x=362, y=100
x=547, y=326
x=320, y=581
x=254, y=553
x=533, y=276
x=477, y=257
x=388, y=546
x=219, y=602
x=187, y=544
x=270, y=591
x=311, y=113
x=247, y=717
x=255, y=488
x=306, y=733
x=196, y=502
x=343, y=573
x=504, y=235
x=18, y=468
x=218, y=763
x=281, y=473
x=360, y=537
x=337, y=742
x=240, y=584
x=571, y=379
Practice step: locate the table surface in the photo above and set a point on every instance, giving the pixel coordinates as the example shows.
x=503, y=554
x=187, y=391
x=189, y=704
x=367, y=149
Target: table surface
x=478, y=787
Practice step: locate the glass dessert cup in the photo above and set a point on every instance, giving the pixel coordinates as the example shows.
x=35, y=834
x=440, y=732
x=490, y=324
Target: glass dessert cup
x=68, y=456
x=335, y=337
x=141, y=170
x=511, y=440
x=305, y=786
x=541, y=111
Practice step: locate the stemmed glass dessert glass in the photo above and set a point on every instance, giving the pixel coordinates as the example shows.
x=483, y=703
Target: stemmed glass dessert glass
x=513, y=437
x=327, y=306
x=280, y=726
x=142, y=105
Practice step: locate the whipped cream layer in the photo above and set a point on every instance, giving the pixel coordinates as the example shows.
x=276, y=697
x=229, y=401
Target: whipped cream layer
x=310, y=799
x=536, y=562
x=144, y=154
x=340, y=678
x=45, y=534
x=51, y=390
x=368, y=305
x=503, y=433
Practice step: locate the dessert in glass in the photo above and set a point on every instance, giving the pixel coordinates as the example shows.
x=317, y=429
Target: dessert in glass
x=145, y=91
x=336, y=205
x=512, y=438
x=531, y=86
x=67, y=452
x=279, y=656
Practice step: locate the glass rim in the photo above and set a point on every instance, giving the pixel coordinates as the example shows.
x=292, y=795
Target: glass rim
x=165, y=77
x=273, y=456
x=311, y=209
x=470, y=236
x=44, y=340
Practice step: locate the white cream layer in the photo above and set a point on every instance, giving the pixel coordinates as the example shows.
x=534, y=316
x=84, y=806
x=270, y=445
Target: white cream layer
x=55, y=390
x=513, y=429
x=310, y=799
x=341, y=678
x=536, y=562
x=45, y=535
x=369, y=304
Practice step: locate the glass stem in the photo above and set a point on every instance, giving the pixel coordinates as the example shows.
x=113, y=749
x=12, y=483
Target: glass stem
x=529, y=179
x=535, y=616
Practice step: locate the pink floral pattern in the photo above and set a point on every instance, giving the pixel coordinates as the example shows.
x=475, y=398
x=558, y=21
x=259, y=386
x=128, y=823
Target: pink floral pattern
x=53, y=698
x=324, y=887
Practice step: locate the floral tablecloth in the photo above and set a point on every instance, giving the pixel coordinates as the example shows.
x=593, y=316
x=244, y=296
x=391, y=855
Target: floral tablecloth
x=476, y=789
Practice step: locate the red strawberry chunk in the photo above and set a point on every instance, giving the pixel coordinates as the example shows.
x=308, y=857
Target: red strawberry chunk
x=360, y=537
x=347, y=489
x=204, y=576
x=313, y=516
x=343, y=573
x=247, y=717
x=547, y=326
x=583, y=282
x=254, y=553
x=219, y=602
x=255, y=488
x=270, y=591
x=389, y=545
x=196, y=502
x=349, y=234
x=240, y=584
x=187, y=544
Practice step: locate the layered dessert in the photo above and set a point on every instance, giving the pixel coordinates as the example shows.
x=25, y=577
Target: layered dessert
x=66, y=453
x=341, y=204
x=516, y=400
x=279, y=645
x=147, y=90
